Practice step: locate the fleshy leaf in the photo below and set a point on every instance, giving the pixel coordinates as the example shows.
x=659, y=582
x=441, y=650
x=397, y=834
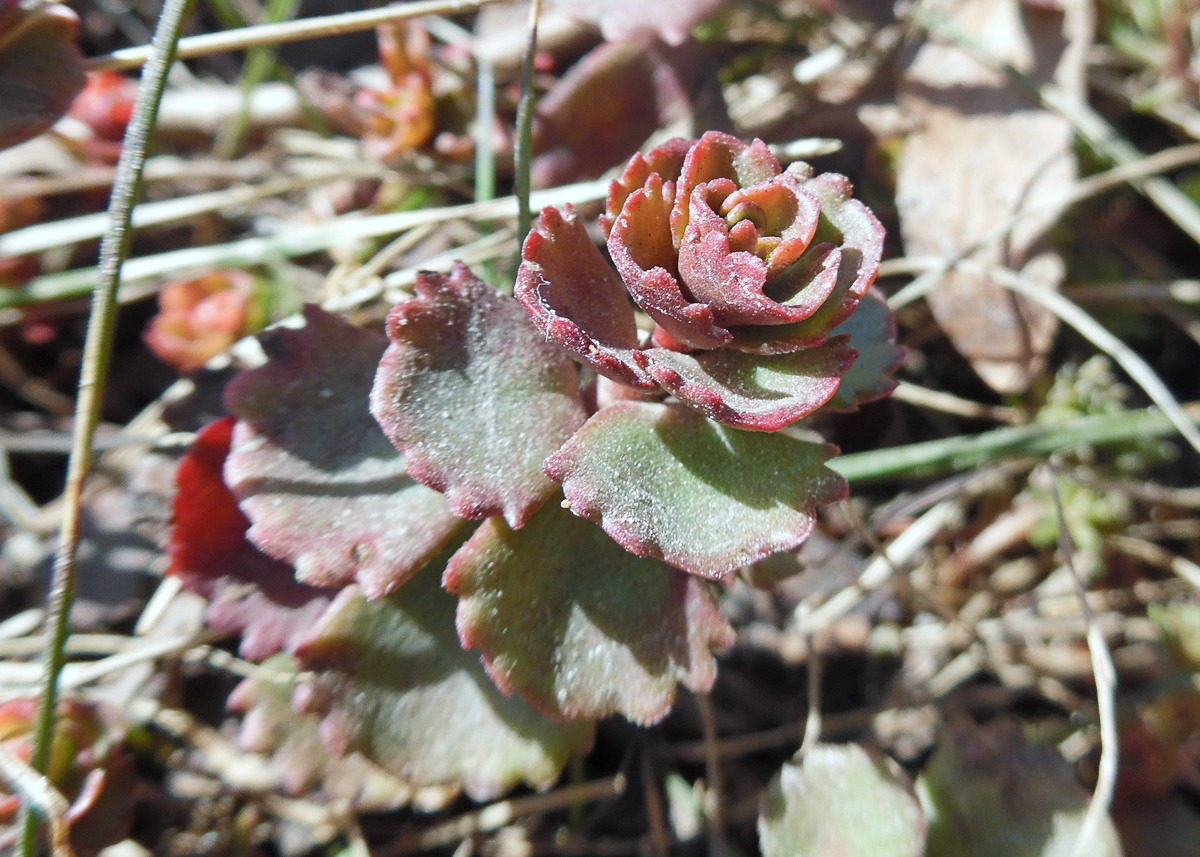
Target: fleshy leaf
x=843, y=800
x=576, y=299
x=608, y=103
x=393, y=683
x=849, y=225
x=578, y=625
x=475, y=397
x=717, y=155
x=41, y=69
x=295, y=756
x=250, y=593
x=989, y=792
x=664, y=481
x=666, y=160
x=809, y=280
x=872, y=331
x=761, y=393
x=729, y=281
x=641, y=248
x=324, y=488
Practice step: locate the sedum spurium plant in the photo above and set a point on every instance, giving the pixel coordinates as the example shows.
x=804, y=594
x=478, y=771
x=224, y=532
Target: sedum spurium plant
x=502, y=521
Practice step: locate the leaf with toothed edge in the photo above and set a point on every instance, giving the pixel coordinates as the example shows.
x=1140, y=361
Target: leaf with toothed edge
x=392, y=682
x=579, y=626
x=663, y=481
x=576, y=299
x=475, y=397
x=849, y=225
x=845, y=800
x=322, y=485
x=641, y=249
x=666, y=160
x=747, y=391
x=291, y=745
x=872, y=332
x=249, y=593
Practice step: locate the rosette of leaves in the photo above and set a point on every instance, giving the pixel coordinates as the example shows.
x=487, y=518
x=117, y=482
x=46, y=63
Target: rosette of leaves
x=745, y=271
x=488, y=456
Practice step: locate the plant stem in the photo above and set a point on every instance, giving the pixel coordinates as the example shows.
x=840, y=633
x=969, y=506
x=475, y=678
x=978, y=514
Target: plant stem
x=523, y=145
x=96, y=354
x=964, y=453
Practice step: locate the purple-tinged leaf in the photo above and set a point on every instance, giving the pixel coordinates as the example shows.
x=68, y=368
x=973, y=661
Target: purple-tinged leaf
x=810, y=279
x=731, y=281
x=872, y=331
x=580, y=627
x=249, y=592
x=748, y=391
x=719, y=156
x=475, y=397
x=576, y=299
x=664, y=481
x=641, y=249
x=619, y=20
x=295, y=758
x=608, y=103
x=393, y=683
x=324, y=488
x=41, y=69
x=849, y=225
x=665, y=160
x=843, y=800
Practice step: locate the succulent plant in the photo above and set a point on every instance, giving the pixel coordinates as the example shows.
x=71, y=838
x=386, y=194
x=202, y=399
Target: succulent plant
x=738, y=298
x=744, y=269
x=88, y=766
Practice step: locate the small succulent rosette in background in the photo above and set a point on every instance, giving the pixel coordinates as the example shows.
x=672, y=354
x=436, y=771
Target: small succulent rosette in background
x=88, y=766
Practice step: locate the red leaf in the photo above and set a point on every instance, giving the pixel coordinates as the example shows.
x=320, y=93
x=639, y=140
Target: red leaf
x=251, y=593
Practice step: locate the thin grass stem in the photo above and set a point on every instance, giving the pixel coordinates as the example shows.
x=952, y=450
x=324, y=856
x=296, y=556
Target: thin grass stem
x=523, y=144
x=96, y=354
x=228, y=41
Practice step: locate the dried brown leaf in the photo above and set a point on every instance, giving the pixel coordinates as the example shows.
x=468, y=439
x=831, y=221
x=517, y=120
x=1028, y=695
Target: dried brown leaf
x=982, y=150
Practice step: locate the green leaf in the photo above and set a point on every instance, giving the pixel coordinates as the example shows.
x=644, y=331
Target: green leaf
x=749, y=391
x=842, y=801
x=323, y=487
x=393, y=683
x=872, y=331
x=475, y=396
x=579, y=626
x=989, y=792
x=665, y=482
